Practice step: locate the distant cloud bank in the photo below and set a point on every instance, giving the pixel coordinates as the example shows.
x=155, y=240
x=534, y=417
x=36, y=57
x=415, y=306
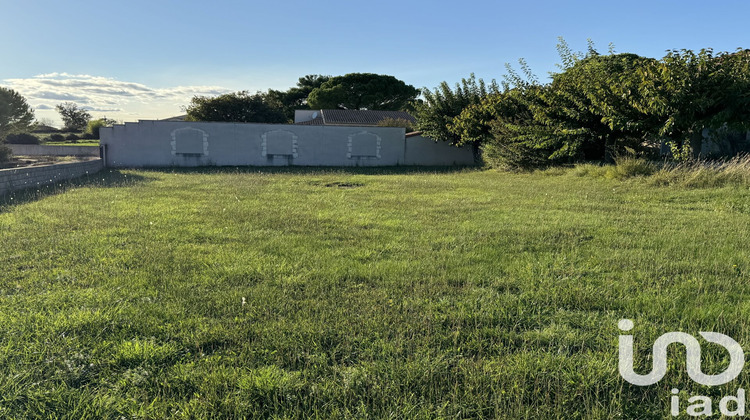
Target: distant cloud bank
x=127, y=101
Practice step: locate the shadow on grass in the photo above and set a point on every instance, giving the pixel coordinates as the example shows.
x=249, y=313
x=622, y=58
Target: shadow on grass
x=302, y=170
x=106, y=178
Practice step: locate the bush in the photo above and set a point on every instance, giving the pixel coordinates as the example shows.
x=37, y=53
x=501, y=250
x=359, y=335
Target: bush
x=5, y=153
x=397, y=122
x=628, y=167
x=57, y=137
x=22, y=138
x=92, y=129
x=72, y=136
x=512, y=156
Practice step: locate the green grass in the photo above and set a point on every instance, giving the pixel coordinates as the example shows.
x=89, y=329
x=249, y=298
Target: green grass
x=70, y=143
x=298, y=293
x=81, y=142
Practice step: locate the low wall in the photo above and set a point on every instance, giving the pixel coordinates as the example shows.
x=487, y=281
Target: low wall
x=36, y=176
x=42, y=150
x=170, y=143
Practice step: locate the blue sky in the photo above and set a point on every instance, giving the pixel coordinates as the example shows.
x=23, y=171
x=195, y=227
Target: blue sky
x=144, y=59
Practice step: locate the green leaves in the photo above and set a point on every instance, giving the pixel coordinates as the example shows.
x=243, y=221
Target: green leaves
x=15, y=113
x=688, y=91
x=436, y=114
x=74, y=117
x=362, y=91
x=599, y=106
x=235, y=107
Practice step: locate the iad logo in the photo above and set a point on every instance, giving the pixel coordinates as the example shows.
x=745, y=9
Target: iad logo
x=693, y=348
x=702, y=404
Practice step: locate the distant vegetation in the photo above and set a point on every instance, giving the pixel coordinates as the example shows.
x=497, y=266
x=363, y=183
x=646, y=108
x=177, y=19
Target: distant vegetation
x=93, y=126
x=350, y=91
x=74, y=117
x=21, y=138
x=16, y=116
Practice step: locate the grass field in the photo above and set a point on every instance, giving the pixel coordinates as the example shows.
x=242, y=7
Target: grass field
x=362, y=293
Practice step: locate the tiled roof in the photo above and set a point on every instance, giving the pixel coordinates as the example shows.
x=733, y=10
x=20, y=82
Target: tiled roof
x=355, y=117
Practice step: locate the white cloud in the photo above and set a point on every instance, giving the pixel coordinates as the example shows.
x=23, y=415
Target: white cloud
x=105, y=96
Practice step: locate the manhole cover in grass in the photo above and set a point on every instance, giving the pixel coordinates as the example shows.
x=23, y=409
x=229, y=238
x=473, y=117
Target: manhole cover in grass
x=344, y=184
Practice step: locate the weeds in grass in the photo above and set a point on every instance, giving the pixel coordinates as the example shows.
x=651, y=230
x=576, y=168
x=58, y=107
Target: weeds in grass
x=287, y=293
x=692, y=174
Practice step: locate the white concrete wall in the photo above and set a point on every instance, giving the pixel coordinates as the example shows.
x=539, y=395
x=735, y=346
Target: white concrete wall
x=423, y=151
x=167, y=143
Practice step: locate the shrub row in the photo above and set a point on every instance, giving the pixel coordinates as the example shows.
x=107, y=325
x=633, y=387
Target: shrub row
x=22, y=138
x=70, y=137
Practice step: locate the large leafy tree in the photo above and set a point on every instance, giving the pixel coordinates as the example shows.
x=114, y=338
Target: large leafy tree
x=15, y=113
x=362, y=91
x=435, y=114
x=587, y=111
x=74, y=117
x=689, y=92
x=497, y=123
x=235, y=107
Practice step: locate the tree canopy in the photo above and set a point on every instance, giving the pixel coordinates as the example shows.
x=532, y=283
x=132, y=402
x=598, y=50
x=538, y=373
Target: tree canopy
x=74, y=117
x=596, y=107
x=362, y=91
x=688, y=92
x=295, y=97
x=15, y=113
x=235, y=107
x=436, y=113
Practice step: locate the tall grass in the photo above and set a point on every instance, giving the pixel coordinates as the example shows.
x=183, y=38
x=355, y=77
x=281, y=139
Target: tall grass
x=692, y=174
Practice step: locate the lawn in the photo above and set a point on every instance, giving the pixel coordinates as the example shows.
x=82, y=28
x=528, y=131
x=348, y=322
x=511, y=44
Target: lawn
x=395, y=293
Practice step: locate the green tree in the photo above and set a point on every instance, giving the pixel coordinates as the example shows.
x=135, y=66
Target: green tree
x=397, y=122
x=498, y=124
x=362, y=91
x=74, y=117
x=15, y=114
x=689, y=92
x=235, y=107
x=436, y=113
x=296, y=97
x=94, y=126
x=587, y=111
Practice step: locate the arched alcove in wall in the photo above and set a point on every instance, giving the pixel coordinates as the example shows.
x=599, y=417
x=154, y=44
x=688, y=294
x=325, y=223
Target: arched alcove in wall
x=189, y=141
x=279, y=143
x=364, y=145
